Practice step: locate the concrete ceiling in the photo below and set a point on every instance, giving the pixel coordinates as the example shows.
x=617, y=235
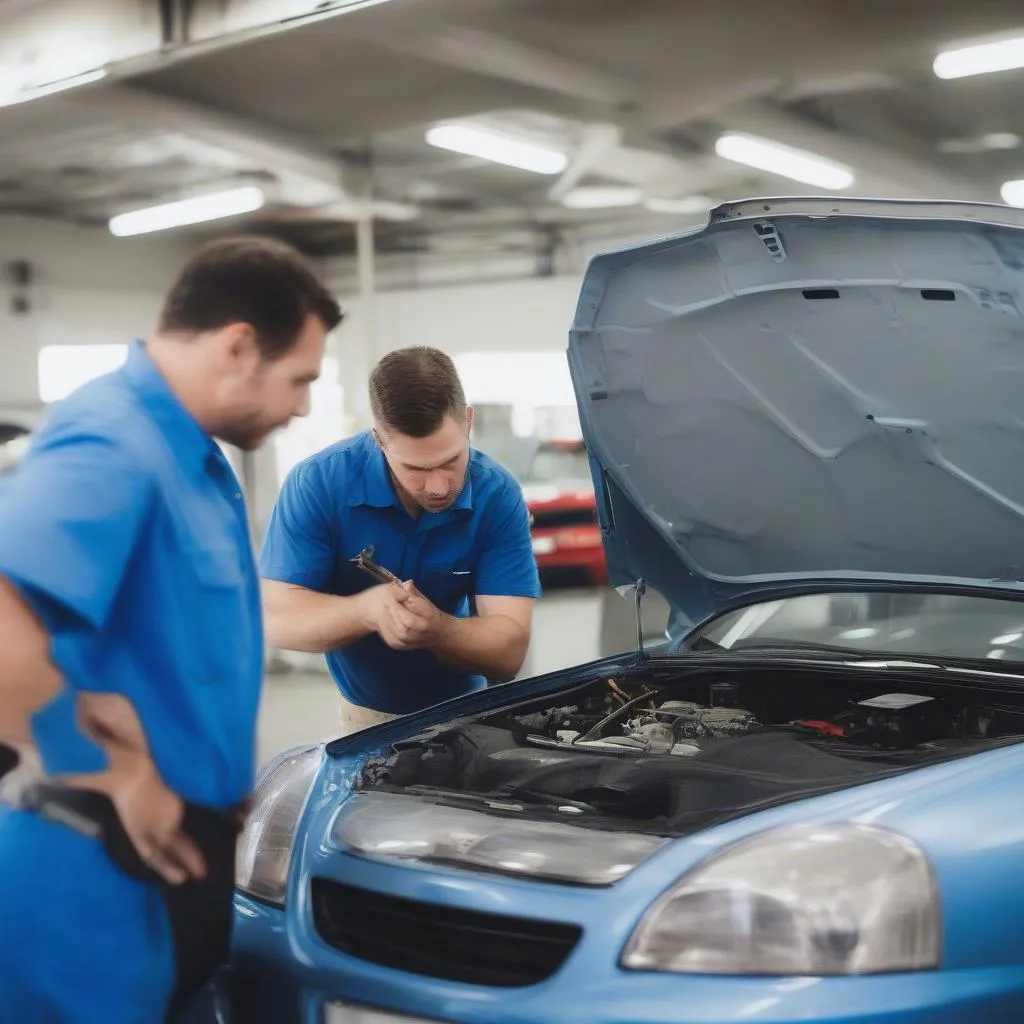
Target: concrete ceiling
x=325, y=105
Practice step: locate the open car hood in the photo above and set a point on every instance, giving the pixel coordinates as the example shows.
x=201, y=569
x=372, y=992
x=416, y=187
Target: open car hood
x=805, y=394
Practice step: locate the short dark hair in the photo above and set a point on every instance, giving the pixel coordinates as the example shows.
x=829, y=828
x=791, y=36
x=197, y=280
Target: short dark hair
x=413, y=389
x=252, y=280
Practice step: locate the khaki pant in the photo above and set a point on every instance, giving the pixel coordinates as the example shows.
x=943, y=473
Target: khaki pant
x=355, y=718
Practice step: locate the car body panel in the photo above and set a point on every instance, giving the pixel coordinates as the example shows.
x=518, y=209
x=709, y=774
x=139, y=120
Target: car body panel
x=963, y=814
x=280, y=959
x=869, y=363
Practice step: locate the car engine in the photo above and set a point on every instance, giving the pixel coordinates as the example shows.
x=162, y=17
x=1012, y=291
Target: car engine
x=670, y=756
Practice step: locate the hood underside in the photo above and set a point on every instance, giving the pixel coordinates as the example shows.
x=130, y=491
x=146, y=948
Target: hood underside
x=808, y=391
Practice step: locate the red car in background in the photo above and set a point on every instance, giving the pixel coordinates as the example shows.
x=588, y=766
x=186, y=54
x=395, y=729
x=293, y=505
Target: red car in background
x=559, y=492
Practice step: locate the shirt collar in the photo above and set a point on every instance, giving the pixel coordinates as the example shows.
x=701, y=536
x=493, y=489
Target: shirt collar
x=376, y=489
x=190, y=442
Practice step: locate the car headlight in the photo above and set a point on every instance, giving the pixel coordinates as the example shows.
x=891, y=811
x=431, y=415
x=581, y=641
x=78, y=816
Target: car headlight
x=392, y=825
x=804, y=900
x=265, y=845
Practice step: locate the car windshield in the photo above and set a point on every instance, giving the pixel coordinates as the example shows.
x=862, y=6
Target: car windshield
x=918, y=625
x=555, y=463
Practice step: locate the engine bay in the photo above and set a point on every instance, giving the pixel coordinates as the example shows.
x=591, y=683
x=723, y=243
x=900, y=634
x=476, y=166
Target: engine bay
x=673, y=752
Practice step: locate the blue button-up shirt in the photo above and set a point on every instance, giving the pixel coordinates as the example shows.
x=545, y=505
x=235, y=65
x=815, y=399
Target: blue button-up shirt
x=125, y=528
x=340, y=501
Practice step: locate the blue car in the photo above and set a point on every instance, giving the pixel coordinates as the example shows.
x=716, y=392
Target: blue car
x=804, y=422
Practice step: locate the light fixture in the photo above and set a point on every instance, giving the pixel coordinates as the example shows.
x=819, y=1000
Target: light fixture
x=498, y=148
x=981, y=143
x=681, y=205
x=1013, y=193
x=980, y=59
x=1001, y=140
x=785, y=161
x=11, y=95
x=196, y=210
x=598, y=197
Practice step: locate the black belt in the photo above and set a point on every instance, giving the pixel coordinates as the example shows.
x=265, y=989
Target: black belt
x=8, y=759
x=200, y=911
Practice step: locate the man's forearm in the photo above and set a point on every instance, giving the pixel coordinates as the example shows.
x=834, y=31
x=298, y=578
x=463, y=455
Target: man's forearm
x=28, y=678
x=297, y=619
x=490, y=645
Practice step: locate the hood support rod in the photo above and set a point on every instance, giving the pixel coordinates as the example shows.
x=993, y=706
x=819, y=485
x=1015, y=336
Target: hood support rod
x=638, y=599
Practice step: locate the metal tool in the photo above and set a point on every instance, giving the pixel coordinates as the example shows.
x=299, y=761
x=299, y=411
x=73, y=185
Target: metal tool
x=364, y=560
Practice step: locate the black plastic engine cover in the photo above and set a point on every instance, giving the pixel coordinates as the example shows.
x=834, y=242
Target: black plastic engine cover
x=681, y=793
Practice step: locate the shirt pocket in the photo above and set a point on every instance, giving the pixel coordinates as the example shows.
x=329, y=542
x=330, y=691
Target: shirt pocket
x=447, y=586
x=222, y=625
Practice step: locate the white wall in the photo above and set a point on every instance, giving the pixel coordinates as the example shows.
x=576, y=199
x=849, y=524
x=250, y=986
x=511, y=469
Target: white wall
x=503, y=316
x=89, y=288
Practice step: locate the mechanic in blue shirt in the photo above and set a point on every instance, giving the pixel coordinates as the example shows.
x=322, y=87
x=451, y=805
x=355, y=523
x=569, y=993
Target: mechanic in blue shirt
x=445, y=519
x=131, y=649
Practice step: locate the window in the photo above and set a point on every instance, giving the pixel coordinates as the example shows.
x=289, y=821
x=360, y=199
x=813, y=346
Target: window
x=536, y=385
x=65, y=368
x=559, y=463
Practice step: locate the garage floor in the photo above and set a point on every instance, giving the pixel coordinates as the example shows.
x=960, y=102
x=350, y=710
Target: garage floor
x=568, y=629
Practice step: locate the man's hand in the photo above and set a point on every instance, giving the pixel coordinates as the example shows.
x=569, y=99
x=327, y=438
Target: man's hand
x=150, y=812
x=413, y=622
x=378, y=606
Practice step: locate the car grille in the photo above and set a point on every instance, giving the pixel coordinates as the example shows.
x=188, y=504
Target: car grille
x=564, y=518
x=440, y=941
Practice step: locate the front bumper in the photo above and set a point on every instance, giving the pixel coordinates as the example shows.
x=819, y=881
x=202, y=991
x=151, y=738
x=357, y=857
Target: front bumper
x=291, y=979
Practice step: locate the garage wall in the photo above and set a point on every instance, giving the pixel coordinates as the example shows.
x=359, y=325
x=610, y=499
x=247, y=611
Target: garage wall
x=494, y=317
x=90, y=288
x=502, y=317
x=87, y=288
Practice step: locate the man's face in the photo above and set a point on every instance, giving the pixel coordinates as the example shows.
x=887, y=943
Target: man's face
x=258, y=396
x=429, y=471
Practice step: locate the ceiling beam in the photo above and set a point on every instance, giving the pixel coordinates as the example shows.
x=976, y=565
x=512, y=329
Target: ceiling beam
x=303, y=170
x=737, y=104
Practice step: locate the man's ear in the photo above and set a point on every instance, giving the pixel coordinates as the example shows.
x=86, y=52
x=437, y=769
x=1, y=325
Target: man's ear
x=238, y=344
x=469, y=419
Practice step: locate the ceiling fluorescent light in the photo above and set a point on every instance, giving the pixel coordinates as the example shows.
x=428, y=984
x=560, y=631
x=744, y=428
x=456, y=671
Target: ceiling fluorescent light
x=1013, y=193
x=196, y=210
x=600, y=197
x=499, y=149
x=682, y=205
x=982, y=59
x=785, y=161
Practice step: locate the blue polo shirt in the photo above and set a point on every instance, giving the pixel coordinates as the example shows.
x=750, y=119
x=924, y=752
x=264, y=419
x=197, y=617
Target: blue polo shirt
x=340, y=501
x=125, y=528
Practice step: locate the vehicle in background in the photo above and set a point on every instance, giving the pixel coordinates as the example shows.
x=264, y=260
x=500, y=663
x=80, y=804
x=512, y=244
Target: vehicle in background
x=559, y=492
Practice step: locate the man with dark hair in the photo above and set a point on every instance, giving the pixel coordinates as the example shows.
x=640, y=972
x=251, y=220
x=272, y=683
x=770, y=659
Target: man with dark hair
x=414, y=497
x=131, y=647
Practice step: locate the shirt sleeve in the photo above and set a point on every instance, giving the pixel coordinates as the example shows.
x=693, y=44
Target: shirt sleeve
x=70, y=520
x=299, y=543
x=507, y=567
